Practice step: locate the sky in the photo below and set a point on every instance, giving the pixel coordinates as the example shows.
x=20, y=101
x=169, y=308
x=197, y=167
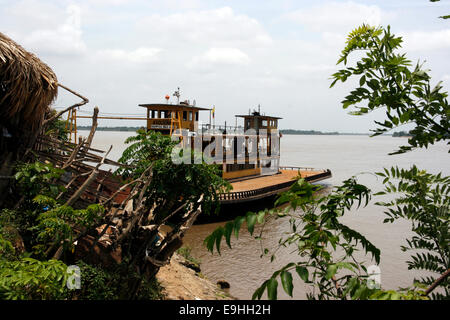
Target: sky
x=234, y=55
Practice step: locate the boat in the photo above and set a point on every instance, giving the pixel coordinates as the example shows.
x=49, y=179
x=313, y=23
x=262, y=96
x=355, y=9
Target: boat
x=248, y=155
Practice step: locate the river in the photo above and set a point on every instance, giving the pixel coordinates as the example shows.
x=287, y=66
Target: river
x=344, y=155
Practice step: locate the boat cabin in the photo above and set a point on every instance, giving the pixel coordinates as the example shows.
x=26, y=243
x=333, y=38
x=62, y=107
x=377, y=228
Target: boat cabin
x=166, y=118
x=257, y=121
x=249, y=153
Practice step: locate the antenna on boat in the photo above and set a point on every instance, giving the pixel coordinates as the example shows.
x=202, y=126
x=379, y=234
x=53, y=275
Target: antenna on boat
x=177, y=94
x=259, y=108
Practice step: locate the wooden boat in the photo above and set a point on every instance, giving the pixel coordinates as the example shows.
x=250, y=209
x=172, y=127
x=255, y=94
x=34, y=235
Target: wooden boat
x=248, y=155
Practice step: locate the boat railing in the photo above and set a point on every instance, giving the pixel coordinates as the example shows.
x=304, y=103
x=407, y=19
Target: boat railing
x=300, y=168
x=221, y=129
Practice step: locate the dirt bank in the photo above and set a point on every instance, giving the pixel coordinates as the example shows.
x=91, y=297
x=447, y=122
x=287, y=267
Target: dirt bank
x=183, y=283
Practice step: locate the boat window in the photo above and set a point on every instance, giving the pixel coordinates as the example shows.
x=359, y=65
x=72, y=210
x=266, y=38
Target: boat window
x=184, y=115
x=264, y=123
x=196, y=116
x=167, y=113
x=190, y=115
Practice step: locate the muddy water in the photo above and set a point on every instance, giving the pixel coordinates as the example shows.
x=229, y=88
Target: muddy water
x=348, y=155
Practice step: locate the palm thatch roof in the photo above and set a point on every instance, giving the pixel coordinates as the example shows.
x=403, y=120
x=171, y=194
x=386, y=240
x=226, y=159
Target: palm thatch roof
x=27, y=87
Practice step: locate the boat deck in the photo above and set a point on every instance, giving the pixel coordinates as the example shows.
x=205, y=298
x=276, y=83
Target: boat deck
x=266, y=181
x=261, y=187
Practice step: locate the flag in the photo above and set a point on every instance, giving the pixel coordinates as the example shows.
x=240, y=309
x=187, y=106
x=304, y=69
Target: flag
x=213, y=111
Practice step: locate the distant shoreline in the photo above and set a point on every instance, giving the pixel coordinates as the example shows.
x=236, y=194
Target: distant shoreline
x=283, y=131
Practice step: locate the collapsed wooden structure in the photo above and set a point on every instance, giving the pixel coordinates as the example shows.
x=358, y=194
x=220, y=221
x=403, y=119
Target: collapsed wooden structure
x=27, y=88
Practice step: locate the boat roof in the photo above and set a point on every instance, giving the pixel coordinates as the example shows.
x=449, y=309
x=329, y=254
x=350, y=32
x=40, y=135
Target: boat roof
x=256, y=116
x=167, y=106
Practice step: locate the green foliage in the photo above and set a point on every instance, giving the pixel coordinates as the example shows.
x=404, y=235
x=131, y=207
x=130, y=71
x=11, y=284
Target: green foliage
x=42, y=222
x=172, y=184
x=57, y=128
x=56, y=226
x=423, y=199
x=317, y=235
x=7, y=251
x=101, y=284
x=35, y=185
x=28, y=279
x=387, y=81
x=146, y=148
x=38, y=178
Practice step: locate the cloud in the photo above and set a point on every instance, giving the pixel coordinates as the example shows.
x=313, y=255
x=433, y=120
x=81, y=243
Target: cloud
x=64, y=39
x=216, y=57
x=337, y=16
x=226, y=56
x=217, y=27
x=423, y=41
x=139, y=55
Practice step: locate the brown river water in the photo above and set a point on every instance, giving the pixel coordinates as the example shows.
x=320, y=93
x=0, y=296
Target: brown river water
x=345, y=155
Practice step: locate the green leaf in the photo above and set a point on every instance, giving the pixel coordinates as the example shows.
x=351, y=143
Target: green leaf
x=286, y=281
x=362, y=80
x=237, y=225
x=331, y=271
x=227, y=233
x=259, y=292
x=272, y=286
x=302, y=272
x=219, y=234
x=251, y=220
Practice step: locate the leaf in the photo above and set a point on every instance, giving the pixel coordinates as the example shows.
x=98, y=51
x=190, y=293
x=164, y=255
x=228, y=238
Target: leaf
x=286, y=281
x=227, y=233
x=237, y=225
x=302, y=272
x=251, y=220
x=331, y=271
x=362, y=80
x=259, y=292
x=209, y=241
x=218, y=236
x=272, y=286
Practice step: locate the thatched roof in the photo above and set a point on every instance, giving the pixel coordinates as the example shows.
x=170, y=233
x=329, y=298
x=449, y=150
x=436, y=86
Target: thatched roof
x=27, y=86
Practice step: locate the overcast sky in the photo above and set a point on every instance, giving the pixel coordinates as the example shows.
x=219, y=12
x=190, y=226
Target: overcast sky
x=231, y=54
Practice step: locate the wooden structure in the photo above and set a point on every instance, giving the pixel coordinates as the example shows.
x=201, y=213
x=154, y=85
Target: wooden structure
x=256, y=121
x=167, y=118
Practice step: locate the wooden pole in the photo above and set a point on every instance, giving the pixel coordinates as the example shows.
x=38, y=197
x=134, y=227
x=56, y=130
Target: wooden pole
x=438, y=281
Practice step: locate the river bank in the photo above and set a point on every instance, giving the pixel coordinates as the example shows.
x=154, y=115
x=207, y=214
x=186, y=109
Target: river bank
x=181, y=282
